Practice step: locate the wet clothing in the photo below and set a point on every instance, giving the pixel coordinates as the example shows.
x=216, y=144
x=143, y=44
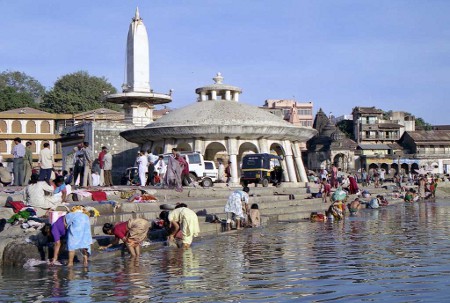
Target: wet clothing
x=58, y=229
x=188, y=221
x=138, y=230
x=234, y=203
x=78, y=231
x=120, y=230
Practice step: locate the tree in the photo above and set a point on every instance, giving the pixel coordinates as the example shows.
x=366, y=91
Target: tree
x=420, y=123
x=17, y=90
x=346, y=126
x=10, y=99
x=78, y=92
x=22, y=83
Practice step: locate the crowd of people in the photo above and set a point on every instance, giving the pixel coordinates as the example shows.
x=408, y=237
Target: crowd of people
x=335, y=187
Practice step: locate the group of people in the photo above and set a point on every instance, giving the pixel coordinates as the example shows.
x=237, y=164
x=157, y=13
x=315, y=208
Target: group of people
x=239, y=214
x=84, y=172
x=74, y=229
x=23, y=164
x=88, y=171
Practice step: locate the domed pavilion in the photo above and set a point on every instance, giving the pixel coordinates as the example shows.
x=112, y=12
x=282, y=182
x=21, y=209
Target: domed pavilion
x=219, y=123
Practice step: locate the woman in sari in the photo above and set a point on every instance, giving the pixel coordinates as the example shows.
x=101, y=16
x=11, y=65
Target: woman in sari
x=172, y=177
x=132, y=232
x=76, y=229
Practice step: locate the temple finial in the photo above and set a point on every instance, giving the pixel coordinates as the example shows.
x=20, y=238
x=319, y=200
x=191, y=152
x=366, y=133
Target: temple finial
x=218, y=79
x=136, y=16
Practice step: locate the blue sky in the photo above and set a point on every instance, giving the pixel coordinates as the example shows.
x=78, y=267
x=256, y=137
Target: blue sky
x=394, y=55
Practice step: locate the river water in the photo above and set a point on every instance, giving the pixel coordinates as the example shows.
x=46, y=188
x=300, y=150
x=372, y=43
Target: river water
x=397, y=254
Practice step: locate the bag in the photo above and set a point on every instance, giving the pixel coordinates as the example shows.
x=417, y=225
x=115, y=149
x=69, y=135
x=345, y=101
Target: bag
x=338, y=195
x=54, y=215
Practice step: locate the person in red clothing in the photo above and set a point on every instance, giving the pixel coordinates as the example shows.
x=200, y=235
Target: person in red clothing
x=185, y=178
x=325, y=189
x=132, y=232
x=101, y=163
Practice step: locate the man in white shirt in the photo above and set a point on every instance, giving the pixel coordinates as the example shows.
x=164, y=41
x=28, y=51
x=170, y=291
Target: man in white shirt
x=142, y=162
x=46, y=163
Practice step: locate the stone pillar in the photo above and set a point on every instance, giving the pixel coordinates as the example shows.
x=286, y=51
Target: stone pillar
x=213, y=95
x=236, y=96
x=285, y=171
x=298, y=160
x=289, y=161
x=203, y=96
x=263, y=146
x=232, y=153
x=38, y=146
x=227, y=95
x=199, y=146
x=9, y=146
x=38, y=126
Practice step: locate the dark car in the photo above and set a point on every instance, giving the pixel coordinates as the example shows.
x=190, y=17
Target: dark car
x=261, y=169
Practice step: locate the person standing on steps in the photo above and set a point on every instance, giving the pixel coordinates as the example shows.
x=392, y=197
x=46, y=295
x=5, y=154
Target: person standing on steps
x=46, y=163
x=88, y=159
x=27, y=163
x=18, y=153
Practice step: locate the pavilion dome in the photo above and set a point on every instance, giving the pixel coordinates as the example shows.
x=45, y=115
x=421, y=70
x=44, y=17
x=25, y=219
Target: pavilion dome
x=218, y=114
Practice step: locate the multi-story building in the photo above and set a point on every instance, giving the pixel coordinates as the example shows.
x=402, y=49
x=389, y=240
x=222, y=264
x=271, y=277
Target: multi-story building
x=32, y=125
x=377, y=134
x=297, y=113
x=428, y=150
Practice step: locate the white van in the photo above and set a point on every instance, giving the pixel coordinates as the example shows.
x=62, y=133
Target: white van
x=205, y=172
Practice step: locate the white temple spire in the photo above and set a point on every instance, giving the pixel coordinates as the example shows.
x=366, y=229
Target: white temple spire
x=138, y=61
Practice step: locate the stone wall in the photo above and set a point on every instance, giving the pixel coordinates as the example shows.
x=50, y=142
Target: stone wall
x=123, y=152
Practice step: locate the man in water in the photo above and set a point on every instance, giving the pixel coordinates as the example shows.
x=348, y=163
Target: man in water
x=354, y=206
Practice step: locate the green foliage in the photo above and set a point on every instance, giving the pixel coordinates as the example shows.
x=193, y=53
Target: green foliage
x=11, y=99
x=346, y=126
x=78, y=92
x=17, y=90
x=22, y=83
x=421, y=123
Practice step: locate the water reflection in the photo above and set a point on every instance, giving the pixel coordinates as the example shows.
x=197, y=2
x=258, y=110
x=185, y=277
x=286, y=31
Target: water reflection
x=398, y=253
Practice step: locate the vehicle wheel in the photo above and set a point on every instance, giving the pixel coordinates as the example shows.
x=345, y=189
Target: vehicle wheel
x=265, y=182
x=193, y=177
x=207, y=182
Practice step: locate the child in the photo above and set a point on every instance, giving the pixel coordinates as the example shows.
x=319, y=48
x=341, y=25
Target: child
x=156, y=178
x=254, y=218
x=325, y=189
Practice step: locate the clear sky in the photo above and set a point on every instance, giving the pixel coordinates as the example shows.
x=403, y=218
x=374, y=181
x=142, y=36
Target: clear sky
x=391, y=54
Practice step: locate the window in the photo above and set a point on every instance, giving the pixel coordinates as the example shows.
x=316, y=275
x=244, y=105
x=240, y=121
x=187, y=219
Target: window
x=194, y=159
x=45, y=127
x=3, y=127
x=209, y=165
x=31, y=127
x=16, y=127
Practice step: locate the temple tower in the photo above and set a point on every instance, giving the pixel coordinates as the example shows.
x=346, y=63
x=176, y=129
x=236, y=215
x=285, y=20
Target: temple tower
x=137, y=97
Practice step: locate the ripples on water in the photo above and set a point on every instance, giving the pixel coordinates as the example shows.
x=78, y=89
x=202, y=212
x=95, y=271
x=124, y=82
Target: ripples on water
x=396, y=254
